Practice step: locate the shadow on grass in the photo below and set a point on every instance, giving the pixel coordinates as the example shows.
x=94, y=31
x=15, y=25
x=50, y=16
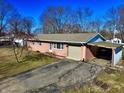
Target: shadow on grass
x=35, y=57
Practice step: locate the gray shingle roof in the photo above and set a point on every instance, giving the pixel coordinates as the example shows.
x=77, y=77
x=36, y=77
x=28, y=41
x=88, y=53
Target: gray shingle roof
x=106, y=44
x=80, y=37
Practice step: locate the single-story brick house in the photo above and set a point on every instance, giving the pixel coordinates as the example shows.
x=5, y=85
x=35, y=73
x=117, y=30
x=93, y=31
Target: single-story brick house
x=81, y=46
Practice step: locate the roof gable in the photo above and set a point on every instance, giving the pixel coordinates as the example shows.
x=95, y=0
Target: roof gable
x=97, y=38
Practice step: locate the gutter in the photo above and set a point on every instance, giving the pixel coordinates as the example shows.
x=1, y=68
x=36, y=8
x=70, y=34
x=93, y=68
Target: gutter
x=82, y=43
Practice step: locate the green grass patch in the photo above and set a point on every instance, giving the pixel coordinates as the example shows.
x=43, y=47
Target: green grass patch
x=28, y=61
x=89, y=88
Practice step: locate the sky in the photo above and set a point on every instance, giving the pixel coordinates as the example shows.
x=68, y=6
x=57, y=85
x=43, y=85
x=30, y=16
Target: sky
x=34, y=8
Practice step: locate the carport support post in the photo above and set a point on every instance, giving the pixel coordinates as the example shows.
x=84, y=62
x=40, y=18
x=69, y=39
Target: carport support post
x=67, y=50
x=113, y=52
x=83, y=53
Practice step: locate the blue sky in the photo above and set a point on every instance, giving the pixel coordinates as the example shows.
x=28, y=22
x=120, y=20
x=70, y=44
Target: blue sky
x=34, y=8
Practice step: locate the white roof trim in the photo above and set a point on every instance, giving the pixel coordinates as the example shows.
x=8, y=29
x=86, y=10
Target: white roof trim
x=102, y=36
x=71, y=41
x=60, y=41
x=95, y=36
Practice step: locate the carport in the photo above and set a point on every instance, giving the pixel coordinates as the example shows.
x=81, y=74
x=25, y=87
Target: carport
x=104, y=50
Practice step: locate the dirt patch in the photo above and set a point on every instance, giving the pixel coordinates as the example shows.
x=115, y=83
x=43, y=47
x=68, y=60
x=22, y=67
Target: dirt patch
x=101, y=84
x=81, y=74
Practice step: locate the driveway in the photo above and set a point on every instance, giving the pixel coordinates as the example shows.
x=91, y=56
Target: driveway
x=62, y=74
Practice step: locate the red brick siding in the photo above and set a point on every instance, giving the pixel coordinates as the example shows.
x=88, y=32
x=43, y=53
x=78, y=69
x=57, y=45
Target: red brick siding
x=89, y=53
x=61, y=52
x=44, y=47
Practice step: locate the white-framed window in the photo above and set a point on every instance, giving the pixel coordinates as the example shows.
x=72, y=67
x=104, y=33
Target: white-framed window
x=58, y=45
x=51, y=46
x=55, y=45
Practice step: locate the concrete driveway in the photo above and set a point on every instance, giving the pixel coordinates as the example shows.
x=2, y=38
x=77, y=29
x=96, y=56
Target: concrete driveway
x=63, y=74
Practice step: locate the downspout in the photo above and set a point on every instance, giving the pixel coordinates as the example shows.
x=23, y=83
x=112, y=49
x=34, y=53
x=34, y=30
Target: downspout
x=83, y=51
x=113, y=62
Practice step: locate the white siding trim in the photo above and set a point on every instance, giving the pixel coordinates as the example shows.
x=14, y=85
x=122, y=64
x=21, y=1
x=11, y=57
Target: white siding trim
x=117, y=57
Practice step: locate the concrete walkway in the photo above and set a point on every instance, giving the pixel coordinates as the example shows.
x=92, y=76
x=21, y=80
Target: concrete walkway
x=63, y=74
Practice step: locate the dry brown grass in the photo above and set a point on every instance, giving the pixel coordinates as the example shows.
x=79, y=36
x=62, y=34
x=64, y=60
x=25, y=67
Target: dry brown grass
x=115, y=82
x=9, y=67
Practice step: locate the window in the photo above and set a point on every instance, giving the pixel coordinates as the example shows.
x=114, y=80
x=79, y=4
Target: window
x=58, y=46
x=55, y=45
x=50, y=46
x=62, y=46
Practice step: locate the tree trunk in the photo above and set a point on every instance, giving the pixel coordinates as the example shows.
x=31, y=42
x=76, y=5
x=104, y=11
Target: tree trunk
x=15, y=54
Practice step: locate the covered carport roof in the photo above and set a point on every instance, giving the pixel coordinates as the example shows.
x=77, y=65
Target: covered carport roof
x=106, y=45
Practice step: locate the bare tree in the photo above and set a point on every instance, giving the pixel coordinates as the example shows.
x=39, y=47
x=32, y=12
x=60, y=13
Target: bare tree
x=18, y=50
x=37, y=30
x=27, y=23
x=96, y=25
x=112, y=18
x=53, y=19
x=5, y=10
x=15, y=22
x=15, y=26
x=115, y=20
x=107, y=34
x=121, y=22
x=84, y=16
x=11, y=19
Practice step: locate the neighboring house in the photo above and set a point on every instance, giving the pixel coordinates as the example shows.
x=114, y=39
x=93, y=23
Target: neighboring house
x=116, y=40
x=5, y=40
x=20, y=42
x=20, y=38
x=82, y=46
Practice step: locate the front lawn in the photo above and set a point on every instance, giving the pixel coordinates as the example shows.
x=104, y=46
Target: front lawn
x=28, y=61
